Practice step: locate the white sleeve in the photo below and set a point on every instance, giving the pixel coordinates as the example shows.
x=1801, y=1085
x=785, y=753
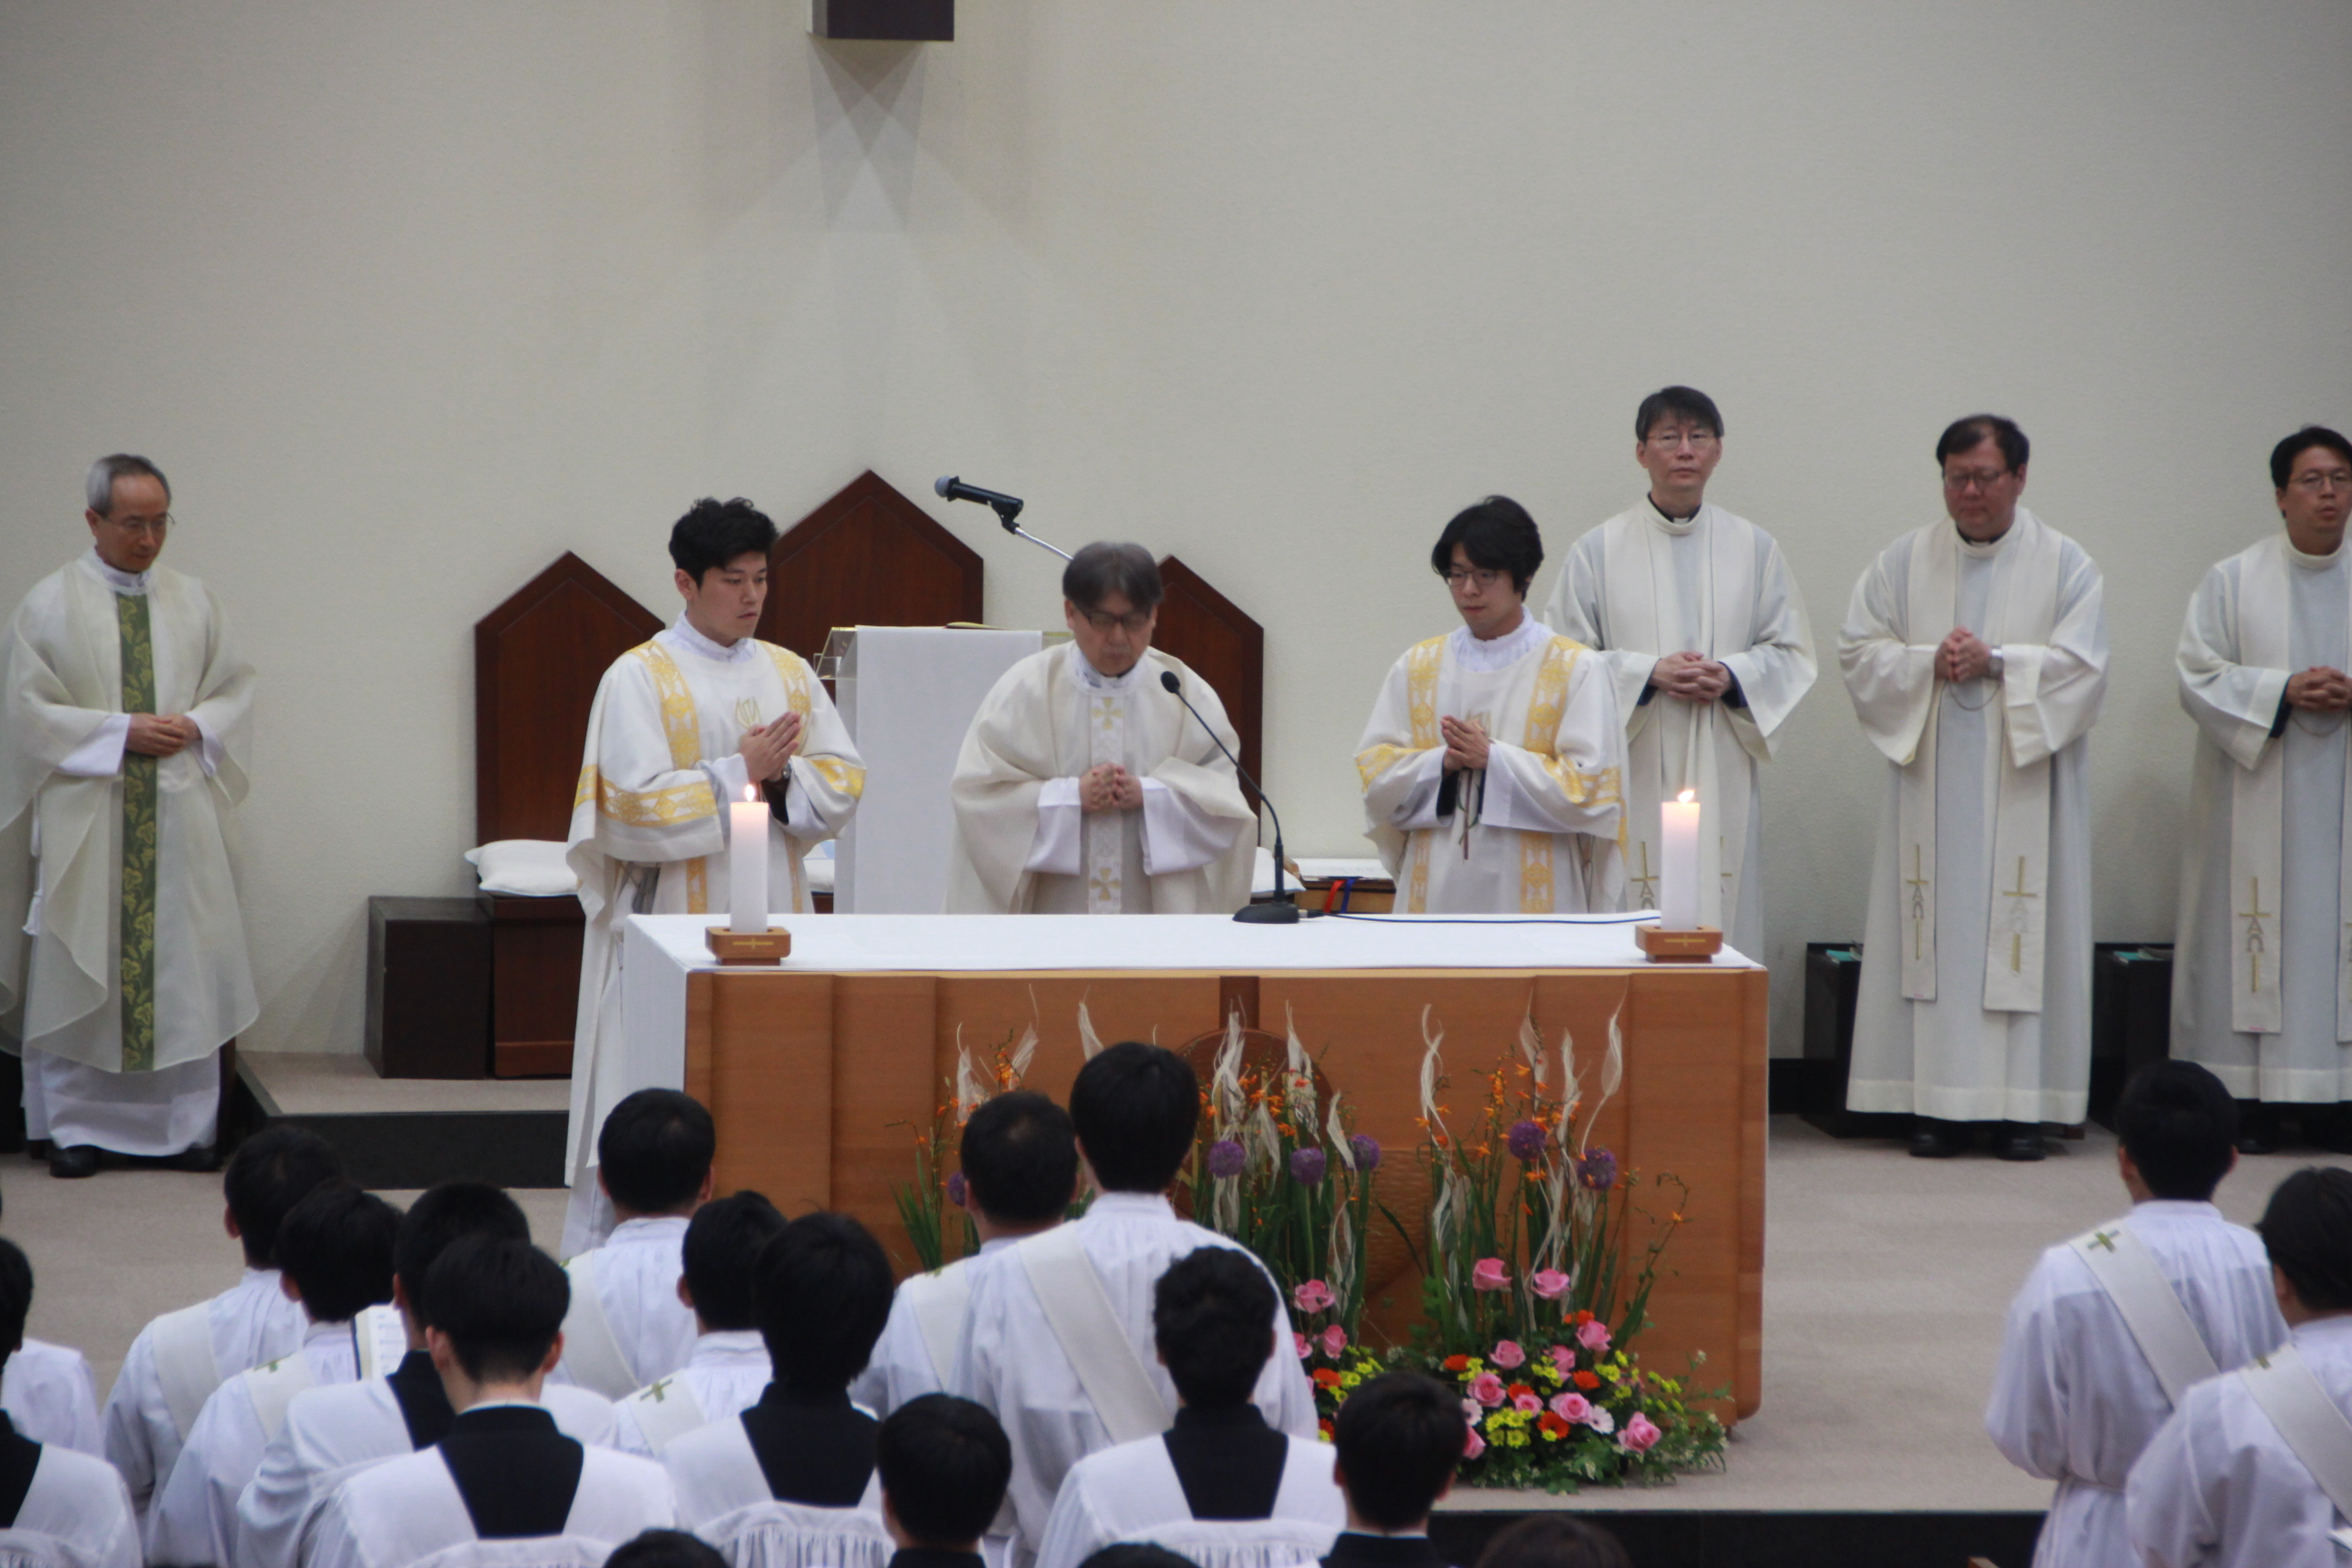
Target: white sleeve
x=1421, y=776
x=728, y=779
x=1055, y=850
x=1072, y=1533
x=1178, y=835
x=2164, y=1508
x=135, y=1420
x=177, y=1528
x=100, y=756
x=208, y=749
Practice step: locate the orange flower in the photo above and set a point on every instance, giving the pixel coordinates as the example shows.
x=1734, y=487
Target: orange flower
x=1457, y=1364
x=1580, y=1318
x=1585, y=1380
x=1326, y=1427
x=1516, y=1389
x=1551, y=1425
x=1325, y=1377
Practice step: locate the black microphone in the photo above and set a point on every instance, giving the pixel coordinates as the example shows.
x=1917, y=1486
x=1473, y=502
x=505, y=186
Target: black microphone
x=1282, y=910
x=950, y=488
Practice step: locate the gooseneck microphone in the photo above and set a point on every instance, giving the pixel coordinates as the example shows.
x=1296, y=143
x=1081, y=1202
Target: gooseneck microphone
x=947, y=486
x=1282, y=910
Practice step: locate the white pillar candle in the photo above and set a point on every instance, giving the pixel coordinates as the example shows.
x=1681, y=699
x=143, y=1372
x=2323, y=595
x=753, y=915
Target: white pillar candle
x=747, y=864
x=1678, y=879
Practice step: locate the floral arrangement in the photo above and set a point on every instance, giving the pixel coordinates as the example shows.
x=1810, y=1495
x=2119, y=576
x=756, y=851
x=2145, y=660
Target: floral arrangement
x=924, y=1203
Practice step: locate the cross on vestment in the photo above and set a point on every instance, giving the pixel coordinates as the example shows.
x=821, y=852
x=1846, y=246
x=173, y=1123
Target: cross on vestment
x=2017, y=918
x=1647, y=881
x=659, y=1389
x=1917, y=883
x=2254, y=915
x=2105, y=1238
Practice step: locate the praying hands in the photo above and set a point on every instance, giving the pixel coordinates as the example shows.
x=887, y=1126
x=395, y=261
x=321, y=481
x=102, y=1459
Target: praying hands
x=1692, y=676
x=1110, y=787
x=1465, y=743
x=159, y=734
x=769, y=749
x=1962, y=657
x=2319, y=690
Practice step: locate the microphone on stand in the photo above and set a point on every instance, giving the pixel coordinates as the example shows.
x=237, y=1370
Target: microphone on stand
x=1282, y=910
x=948, y=487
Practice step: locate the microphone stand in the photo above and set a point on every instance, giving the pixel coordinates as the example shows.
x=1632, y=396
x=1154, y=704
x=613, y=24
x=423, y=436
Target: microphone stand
x=1008, y=516
x=1281, y=911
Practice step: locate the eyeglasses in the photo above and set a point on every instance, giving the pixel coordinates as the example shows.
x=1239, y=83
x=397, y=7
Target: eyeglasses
x=1132, y=622
x=1483, y=578
x=152, y=527
x=1696, y=440
x=1963, y=480
x=2327, y=479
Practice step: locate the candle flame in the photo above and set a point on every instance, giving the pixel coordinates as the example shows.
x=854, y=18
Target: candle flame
x=1688, y=796
x=752, y=794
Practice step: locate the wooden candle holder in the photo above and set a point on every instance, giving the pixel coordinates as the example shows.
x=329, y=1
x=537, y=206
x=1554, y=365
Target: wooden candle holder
x=1665, y=946
x=770, y=946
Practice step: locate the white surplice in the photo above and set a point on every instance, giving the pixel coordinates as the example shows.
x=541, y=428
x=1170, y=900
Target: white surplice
x=79, y=1503
x=1012, y=1362
x=1131, y=1492
x=103, y=1068
x=2262, y=986
x=636, y=1273
x=648, y=836
x=48, y=1395
x=723, y=1377
x=1023, y=845
x=723, y=1498
x=2074, y=1399
x=1975, y=980
x=906, y=1364
x=2218, y=1487
x=1541, y=828
x=250, y=1322
x=1643, y=585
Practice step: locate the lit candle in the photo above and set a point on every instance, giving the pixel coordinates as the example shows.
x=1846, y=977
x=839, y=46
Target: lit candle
x=1678, y=878
x=747, y=864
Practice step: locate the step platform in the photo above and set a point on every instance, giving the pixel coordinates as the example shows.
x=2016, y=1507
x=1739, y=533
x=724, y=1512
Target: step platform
x=410, y=1133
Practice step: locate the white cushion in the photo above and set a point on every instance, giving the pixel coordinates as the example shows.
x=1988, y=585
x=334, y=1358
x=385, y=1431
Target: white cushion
x=528, y=868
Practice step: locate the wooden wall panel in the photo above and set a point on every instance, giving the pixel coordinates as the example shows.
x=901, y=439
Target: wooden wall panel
x=868, y=557
x=1224, y=646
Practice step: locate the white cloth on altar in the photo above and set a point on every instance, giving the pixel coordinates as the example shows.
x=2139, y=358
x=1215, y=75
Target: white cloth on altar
x=1548, y=834
x=79, y=1502
x=1950, y=1056
x=636, y=1271
x=49, y=1397
x=724, y=1375
x=2075, y=1400
x=904, y=1366
x=1022, y=845
x=1012, y=1362
x=1643, y=585
x=2235, y=700
x=1131, y=1492
x=2218, y=1487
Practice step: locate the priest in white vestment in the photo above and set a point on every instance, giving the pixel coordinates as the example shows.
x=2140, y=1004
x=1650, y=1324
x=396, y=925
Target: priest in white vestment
x=1493, y=763
x=123, y=748
x=703, y=715
x=1693, y=612
x=2262, y=984
x=1085, y=787
x=2078, y=1392
x=1976, y=652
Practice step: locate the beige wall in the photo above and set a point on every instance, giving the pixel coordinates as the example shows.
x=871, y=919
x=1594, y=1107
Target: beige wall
x=409, y=297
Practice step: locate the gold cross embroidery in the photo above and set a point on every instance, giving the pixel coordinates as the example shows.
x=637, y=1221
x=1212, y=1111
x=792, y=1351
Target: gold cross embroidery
x=2017, y=918
x=1917, y=883
x=2105, y=1238
x=1647, y=882
x=1104, y=888
x=1107, y=714
x=2253, y=914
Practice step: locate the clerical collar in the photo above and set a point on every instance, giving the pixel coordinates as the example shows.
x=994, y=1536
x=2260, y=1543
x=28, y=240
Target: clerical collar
x=1090, y=676
x=694, y=642
x=120, y=582
x=1980, y=548
x=2309, y=562
x=1667, y=521
x=1154, y=1205
x=1485, y=656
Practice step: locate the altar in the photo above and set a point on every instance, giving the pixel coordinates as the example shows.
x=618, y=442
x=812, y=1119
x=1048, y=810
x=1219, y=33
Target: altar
x=820, y=1073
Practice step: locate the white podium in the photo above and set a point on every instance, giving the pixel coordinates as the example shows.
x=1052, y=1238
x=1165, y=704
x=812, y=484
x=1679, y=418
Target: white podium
x=908, y=694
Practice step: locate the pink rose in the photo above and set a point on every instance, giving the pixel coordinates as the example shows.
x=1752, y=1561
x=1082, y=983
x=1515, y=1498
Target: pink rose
x=1563, y=1358
x=1593, y=1336
x=1486, y=1389
x=1335, y=1340
x=1642, y=1434
x=1508, y=1354
x=1475, y=1447
x=1570, y=1406
x=1548, y=1284
x=1314, y=1296
x=1303, y=1347
x=1488, y=1274
x=1525, y=1403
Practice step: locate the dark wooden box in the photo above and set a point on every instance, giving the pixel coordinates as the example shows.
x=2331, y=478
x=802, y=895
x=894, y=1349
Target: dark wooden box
x=2131, y=1018
x=1833, y=987
x=535, y=969
x=428, y=988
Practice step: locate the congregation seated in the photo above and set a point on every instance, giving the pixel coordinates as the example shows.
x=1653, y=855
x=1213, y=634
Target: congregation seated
x=1219, y=1487
x=330, y=1434
x=1398, y=1438
x=1554, y=1540
x=727, y=1367
x=943, y=1463
x=628, y=1326
x=180, y=1358
x=334, y=1253
x=790, y=1481
x=504, y=1472
x=58, y=1508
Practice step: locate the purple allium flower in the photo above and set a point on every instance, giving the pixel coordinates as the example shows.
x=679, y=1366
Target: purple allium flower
x=1598, y=1169
x=956, y=1189
x=1306, y=1166
x=1368, y=1150
x=1525, y=1141
x=1226, y=1159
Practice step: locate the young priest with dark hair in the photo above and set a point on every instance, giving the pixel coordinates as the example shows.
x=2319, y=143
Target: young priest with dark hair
x=1134, y=1107
x=1221, y=1484
x=1398, y=1438
x=504, y=1472
x=628, y=1326
x=330, y=1432
x=75, y=1500
x=334, y=1251
x=2088, y=1371
x=728, y=1365
x=943, y=1463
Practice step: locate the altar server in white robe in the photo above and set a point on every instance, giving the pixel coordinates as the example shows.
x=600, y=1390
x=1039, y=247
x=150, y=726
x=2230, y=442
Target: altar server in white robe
x=178, y=1359
x=1494, y=760
x=628, y=1326
x=1085, y=786
x=1693, y=612
x=2262, y=988
x=1220, y=1487
x=943, y=1464
x=335, y=1250
x=123, y=748
x=1976, y=652
x=1057, y=1340
x=330, y=1434
x=504, y=1472
x=2254, y=1468
x=727, y=1367
x=55, y=1505
x=47, y=1393
x=703, y=715
x=2112, y=1327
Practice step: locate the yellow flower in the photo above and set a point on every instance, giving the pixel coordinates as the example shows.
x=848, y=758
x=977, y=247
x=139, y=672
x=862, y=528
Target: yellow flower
x=1351, y=1379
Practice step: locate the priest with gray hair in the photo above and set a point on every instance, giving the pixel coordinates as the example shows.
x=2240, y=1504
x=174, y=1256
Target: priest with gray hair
x=1086, y=787
x=123, y=748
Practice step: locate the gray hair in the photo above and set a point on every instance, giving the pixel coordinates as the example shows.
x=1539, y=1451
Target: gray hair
x=1102, y=569
x=98, y=489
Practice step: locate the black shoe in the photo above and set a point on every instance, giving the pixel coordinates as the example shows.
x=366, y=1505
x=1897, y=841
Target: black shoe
x=1939, y=1140
x=2019, y=1141
x=73, y=1164
x=203, y=1158
x=2258, y=1129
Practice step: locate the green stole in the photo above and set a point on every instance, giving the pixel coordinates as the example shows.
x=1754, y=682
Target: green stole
x=137, y=939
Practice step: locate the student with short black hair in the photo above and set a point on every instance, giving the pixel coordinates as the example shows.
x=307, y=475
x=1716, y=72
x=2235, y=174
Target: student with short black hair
x=180, y=1357
x=1398, y=1438
x=664, y=1549
x=1219, y=1487
x=505, y=1471
x=334, y=1251
x=47, y=1393
x=728, y=1365
x=1134, y=1108
x=943, y=1463
x=1554, y=1540
x=628, y=1328
x=77, y=1500
x=2079, y=1392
